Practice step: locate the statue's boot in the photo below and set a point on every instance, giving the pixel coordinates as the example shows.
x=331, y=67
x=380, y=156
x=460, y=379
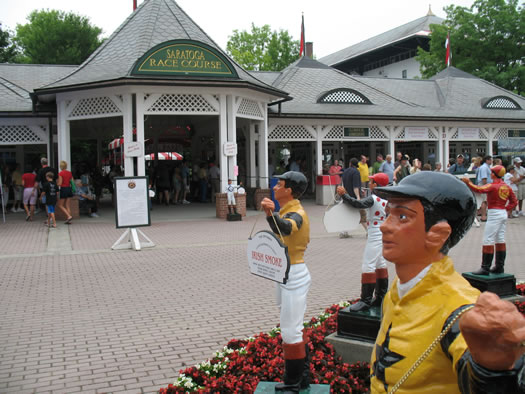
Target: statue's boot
x=368, y=285
x=486, y=260
x=381, y=286
x=294, y=363
x=501, y=254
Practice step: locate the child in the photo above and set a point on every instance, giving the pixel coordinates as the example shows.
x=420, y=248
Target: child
x=50, y=191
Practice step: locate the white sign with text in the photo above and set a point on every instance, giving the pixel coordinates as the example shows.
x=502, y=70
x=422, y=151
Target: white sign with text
x=468, y=133
x=133, y=149
x=416, y=133
x=229, y=148
x=132, y=202
x=268, y=257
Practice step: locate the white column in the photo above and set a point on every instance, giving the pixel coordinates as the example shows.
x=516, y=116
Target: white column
x=492, y=133
x=232, y=135
x=223, y=137
x=263, y=153
x=141, y=163
x=439, y=147
x=445, y=150
x=253, y=166
x=391, y=143
x=63, y=134
x=127, y=120
x=319, y=152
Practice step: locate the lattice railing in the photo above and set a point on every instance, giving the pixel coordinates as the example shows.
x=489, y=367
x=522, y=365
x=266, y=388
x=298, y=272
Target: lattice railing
x=291, y=132
x=502, y=103
x=88, y=107
x=249, y=108
x=22, y=134
x=185, y=103
x=344, y=96
x=502, y=134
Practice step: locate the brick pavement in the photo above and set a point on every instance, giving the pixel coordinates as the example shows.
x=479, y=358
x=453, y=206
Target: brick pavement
x=93, y=320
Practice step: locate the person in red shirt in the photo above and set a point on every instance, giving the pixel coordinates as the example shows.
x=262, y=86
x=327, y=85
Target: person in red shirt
x=500, y=199
x=66, y=193
x=30, y=193
x=337, y=170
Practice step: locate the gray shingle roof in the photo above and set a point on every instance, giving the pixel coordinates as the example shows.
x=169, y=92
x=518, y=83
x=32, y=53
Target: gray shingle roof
x=399, y=33
x=447, y=96
x=18, y=80
x=154, y=22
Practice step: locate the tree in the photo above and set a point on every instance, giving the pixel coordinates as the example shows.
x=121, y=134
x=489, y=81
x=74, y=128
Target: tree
x=7, y=47
x=56, y=37
x=487, y=40
x=263, y=50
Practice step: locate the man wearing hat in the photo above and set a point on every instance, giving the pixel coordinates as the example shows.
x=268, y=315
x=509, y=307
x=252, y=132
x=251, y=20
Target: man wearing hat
x=402, y=169
x=520, y=173
x=458, y=167
x=292, y=223
x=429, y=212
x=498, y=194
x=374, y=273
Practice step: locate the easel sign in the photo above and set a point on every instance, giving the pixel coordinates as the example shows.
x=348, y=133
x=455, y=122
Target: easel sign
x=132, y=210
x=268, y=257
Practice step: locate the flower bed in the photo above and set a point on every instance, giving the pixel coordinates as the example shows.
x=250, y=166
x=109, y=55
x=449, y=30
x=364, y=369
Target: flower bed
x=242, y=363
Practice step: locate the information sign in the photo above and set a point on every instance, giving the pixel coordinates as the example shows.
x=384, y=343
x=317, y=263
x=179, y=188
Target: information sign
x=356, y=132
x=468, y=133
x=133, y=149
x=131, y=197
x=268, y=257
x=516, y=133
x=416, y=133
x=229, y=148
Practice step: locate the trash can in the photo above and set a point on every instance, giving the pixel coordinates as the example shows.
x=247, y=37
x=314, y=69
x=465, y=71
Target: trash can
x=273, y=182
x=325, y=188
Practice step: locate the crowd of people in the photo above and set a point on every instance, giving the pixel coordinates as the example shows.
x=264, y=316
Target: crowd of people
x=356, y=176
x=45, y=187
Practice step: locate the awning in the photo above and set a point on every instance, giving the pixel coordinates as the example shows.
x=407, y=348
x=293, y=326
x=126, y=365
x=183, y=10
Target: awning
x=116, y=143
x=164, y=156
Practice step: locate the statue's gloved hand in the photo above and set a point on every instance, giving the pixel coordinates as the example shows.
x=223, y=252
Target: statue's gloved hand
x=268, y=206
x=494, y=331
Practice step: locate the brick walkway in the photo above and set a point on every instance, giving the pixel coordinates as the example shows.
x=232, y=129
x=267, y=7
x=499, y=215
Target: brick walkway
x=78, y=317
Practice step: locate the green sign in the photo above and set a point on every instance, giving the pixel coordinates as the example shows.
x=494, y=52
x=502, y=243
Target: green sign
x=519, y=133
x=356, y=132
x=184, y=58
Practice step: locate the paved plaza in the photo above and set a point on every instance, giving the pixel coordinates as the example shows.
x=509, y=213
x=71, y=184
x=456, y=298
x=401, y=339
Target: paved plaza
x=76, y=316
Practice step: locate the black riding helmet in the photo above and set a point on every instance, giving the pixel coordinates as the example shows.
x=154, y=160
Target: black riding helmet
x=294, y=180
x=443, y=196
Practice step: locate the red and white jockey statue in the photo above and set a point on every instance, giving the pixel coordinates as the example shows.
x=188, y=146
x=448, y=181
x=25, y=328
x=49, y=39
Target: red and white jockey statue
x=374, y=274
x=500, y=199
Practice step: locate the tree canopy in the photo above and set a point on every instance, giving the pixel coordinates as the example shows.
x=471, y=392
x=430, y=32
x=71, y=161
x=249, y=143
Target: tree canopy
x=7, y=47
x=263, y=49
x=487, y=40
x=56, y=37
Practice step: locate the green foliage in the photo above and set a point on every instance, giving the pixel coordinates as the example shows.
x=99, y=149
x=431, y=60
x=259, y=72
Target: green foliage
x=487, y=40
x=263, y=50
x=7, y=47
x=56, y=37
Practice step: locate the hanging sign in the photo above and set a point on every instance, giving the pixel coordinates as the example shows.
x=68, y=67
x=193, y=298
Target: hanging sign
x=268, y=257
x=133, y=149
x=341, y=217
x=468, y=133
x=516, y=133
x=416, y=133
x=356, y=132
x=184, y=58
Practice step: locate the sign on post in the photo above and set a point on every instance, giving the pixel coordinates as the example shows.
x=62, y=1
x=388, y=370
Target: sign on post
x=268, y=257
x=229, y=148
x=133, y=149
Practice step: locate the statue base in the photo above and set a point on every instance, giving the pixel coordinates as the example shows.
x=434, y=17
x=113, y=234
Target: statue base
x=234, y=217
x=503, y=285
x=269, y=388
x=359, y=325
x=351, y=350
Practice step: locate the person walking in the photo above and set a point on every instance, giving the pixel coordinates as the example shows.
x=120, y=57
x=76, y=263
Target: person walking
x=520, y=174
x=30, y=193
x=50, y=194
x=16, y=177
x=387, y=167
x=351, y=180
x=482, y=178
x=362, y=167
x=65, y=178
x=215, y=180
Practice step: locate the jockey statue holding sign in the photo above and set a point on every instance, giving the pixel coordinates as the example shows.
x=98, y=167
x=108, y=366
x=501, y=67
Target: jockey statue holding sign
x=293, y=225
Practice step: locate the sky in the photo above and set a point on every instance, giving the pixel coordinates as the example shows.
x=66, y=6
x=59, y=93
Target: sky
x=330, y=24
